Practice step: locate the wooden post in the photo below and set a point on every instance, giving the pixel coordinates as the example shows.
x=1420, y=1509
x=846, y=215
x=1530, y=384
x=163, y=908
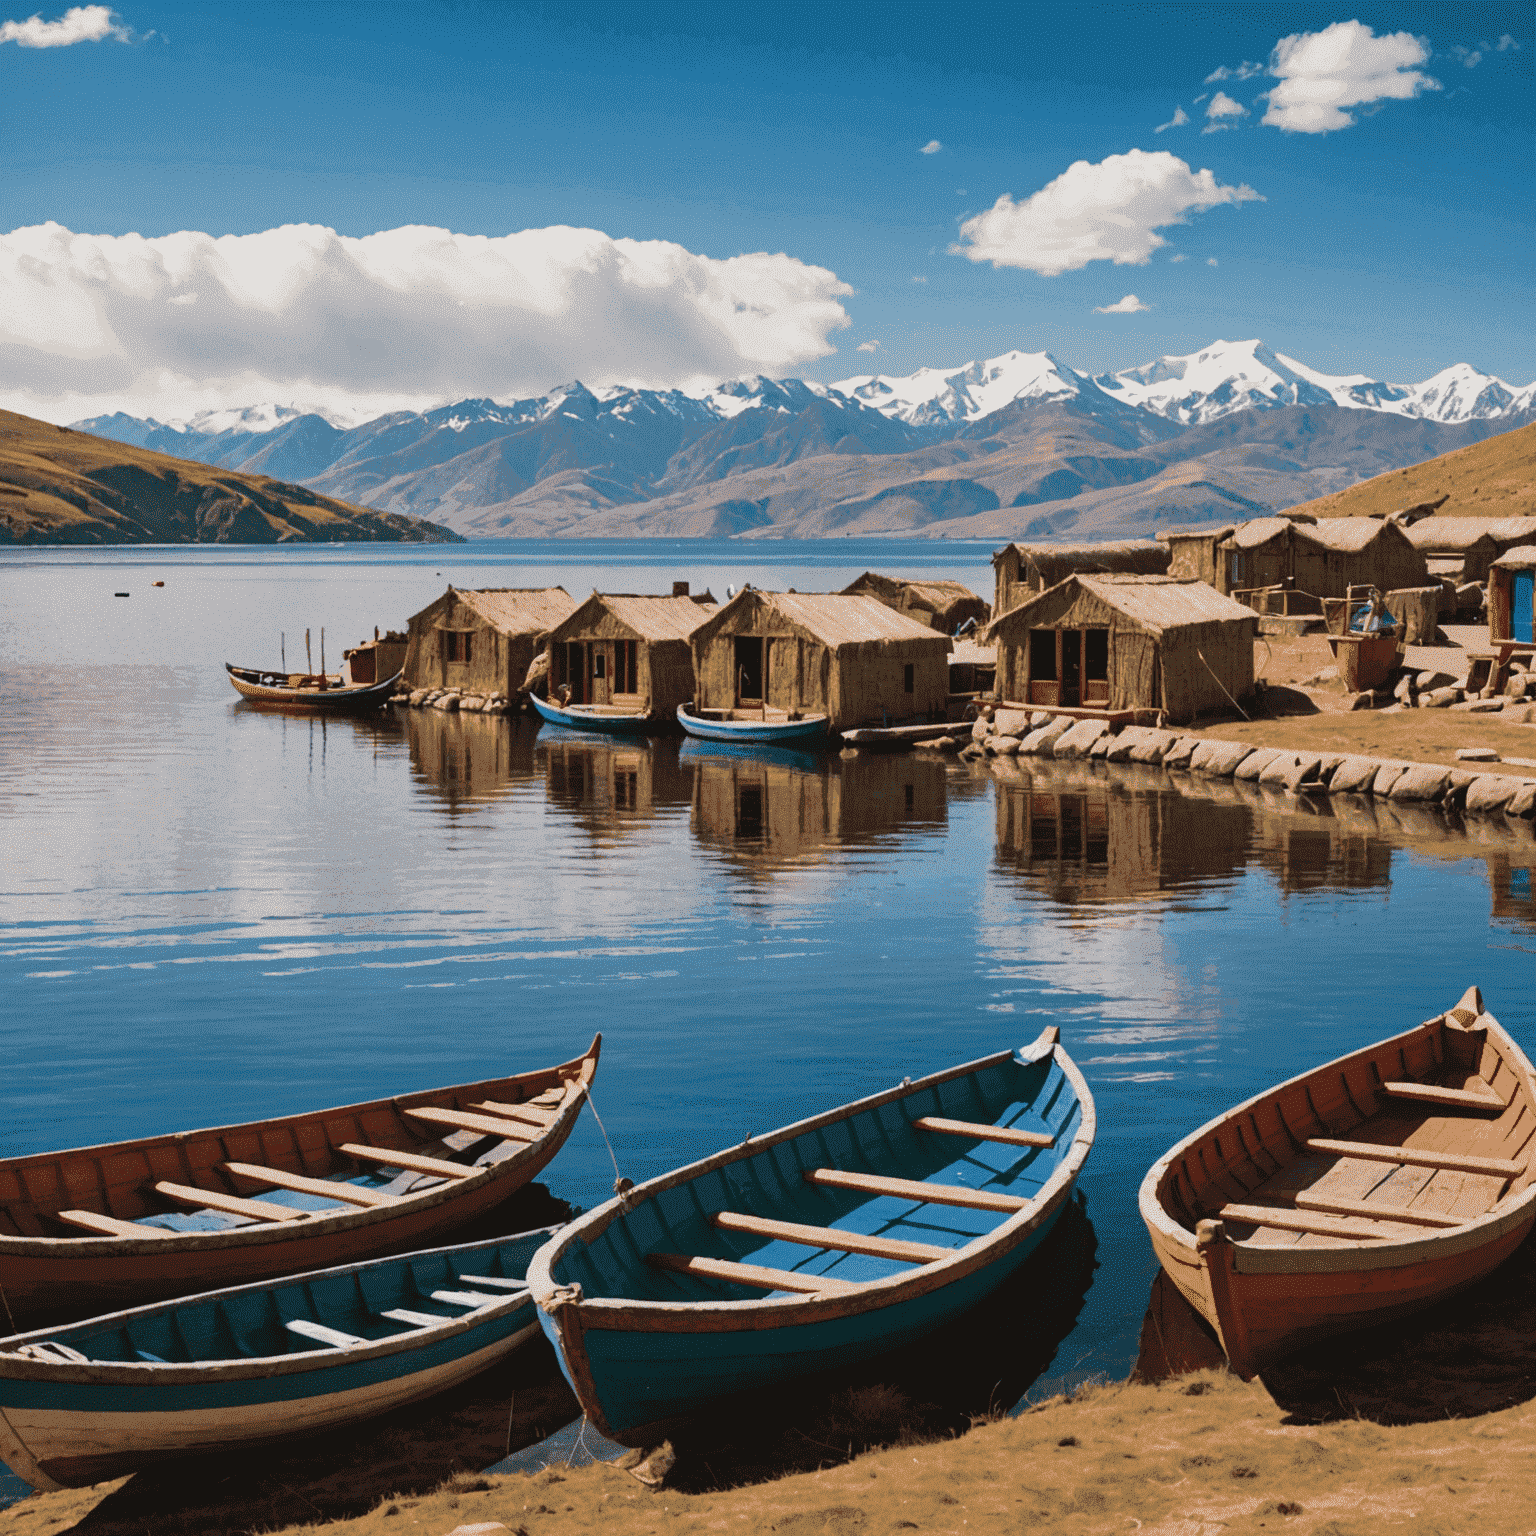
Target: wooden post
x=322, y=650
x=282, y=648
x=309, y=661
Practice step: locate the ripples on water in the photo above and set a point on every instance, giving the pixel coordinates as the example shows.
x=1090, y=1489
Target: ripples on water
x=211, y=913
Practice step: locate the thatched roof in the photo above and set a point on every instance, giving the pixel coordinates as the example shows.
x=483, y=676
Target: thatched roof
x=1457, y=535
x=651, y=618
x=950, y=602
x=834, y=618
x=1145, y=557
x=1214, y=531
x=1344, y=535
x=519, y=610
x=1521, y=559
x=1156, y=603
x=972, y=653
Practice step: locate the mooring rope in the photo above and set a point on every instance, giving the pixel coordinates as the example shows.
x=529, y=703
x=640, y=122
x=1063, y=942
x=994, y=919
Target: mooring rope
x=621, y=1185
x=11, y=1316
x=1235, y=705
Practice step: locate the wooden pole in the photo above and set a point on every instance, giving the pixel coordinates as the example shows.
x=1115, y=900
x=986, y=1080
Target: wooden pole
x=309, y=663
x=322, y=650
x=282, y=646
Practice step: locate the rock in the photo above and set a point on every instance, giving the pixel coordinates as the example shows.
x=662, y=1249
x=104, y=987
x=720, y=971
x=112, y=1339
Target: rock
x=1218, y=759
x=982, y=728
x=1277, y=772
x=972, y=751
x=1440, y=698
x=417, y=697
x=1154, y=749
x=1079, y=740
x=1479, y=706
x=1011, y=722
x=1255, y=763
x=1489, y=793
x=1386, y=776
x=1040, y=717
x=1102, y=745
x=1354, y=775
x=1130, y=737
x=1523, y=802
x=1003, y=746
x=1308, y=770
x=1407, y=686
x=1179, y=754
x=1421, y=781
x=1519, y=714
x=1476, y=755
x=1456, y=791
x=1360, y=700
x=1042, y=743
x=1429, y=681
x=1518, y=686
x=481, y=1528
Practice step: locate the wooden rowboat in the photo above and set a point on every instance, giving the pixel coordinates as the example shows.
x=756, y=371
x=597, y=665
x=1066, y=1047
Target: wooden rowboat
x=1355, y=1193
x=314, y=690
x=234, y=1368
x=825, y=1243
x=751, y=726
x=99, y=1228
x=599, y=717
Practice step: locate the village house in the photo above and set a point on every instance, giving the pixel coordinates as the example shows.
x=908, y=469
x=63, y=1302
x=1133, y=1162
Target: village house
x=628, y=650
x=941, y=605
x=1462, y=549
x=1022, y=569
x=1319, y=557
x=1117, y=643
x=376, y=660
x=811, y=653
x=483, y=641
x=1192, y=552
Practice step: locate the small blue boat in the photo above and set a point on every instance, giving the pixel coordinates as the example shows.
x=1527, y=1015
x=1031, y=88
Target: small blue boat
x=813, y=1247
x=257, y=1363
x=774, y=727
x=599, y=717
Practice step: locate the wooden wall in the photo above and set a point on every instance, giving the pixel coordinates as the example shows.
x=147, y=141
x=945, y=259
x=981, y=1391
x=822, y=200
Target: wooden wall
x=498, y=662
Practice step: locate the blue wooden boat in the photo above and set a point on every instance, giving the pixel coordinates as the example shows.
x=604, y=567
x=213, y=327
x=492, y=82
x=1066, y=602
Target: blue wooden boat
x=813, y=1247
x=772, y=726
x=599, y=717
x=257, y=1363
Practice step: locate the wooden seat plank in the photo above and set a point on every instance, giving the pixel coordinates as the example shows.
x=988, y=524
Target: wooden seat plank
x=278, y=1178
x=108, y=1226
x=1339, y=1206
x=488, y=1125
x=1284, y=1220
x=522, y=1113
x=828, y=1237
x=1453, y=1098
x=1461, y=1162
x=751, y=1274
x=415, y=1161
x=1005, y=1134
x=230, y=1205
x=323, y=1335
x=495, y=1281
x=915, y=1189
x=415, y=1319
x=466, y=1298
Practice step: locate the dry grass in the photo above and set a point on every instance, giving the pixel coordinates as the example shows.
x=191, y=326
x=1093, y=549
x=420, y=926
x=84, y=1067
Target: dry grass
x=58, y=486
x=1494, y=478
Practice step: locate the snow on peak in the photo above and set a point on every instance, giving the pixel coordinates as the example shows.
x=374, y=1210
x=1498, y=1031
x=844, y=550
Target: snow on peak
x=1224, y=377
x=253, y=418
x=934, y=396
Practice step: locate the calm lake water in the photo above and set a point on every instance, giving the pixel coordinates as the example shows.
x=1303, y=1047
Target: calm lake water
x=211, y=914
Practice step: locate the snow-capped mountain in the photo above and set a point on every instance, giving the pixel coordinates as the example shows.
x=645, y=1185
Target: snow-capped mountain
x=936, y=397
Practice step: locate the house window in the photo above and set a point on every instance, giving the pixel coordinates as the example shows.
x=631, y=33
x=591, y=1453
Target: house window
x=458, y=645
x=599, y=662
x=1096, y=655
x=1042, y=654
x=908, y=677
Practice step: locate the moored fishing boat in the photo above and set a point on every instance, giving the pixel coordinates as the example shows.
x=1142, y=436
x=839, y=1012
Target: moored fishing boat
x=327, y=691
x=1355, y=1193
x=98, y=1228
x=765, y=725
x=824, y=1243
x=245, y=1366
x=598, y=717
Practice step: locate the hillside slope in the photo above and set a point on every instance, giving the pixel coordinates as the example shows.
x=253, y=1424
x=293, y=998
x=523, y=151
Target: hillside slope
x=59, y=486
x=1495, y=478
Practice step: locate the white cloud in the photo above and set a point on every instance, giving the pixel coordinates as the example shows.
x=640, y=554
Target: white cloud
x=1223, y=105
x=79, y=24
x=868, y=346
x=1129, y=305
x=932, y=147
x=1180, y=257
x=1105, y=212
x=1505, y=43
x=1211, y=261
x=1178, y=120
x=1470, y=57
x=1244, y=71
x=1345, y=65
x=411, y=315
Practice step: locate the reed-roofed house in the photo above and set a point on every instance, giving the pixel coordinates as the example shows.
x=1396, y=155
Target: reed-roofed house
x=941, y=605
x=1192, y=552
x=1118, y=643
x=1321, y=557
x=1021, y=569
x=791, y=654
x=629, y=650
x=482, y=641
x=1463, y=549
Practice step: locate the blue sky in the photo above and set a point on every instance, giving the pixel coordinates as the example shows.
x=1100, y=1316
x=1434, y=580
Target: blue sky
x=1395, y=243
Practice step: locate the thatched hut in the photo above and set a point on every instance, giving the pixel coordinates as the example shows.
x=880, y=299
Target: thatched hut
x=1192, y=552
x=628, y=650
x=1116, y=643
x=1323, y=558
x=1021, y=569
x=484, y=641
x=848, y=657
x=1462, y=549
x=1511, y=589
x=941, y=605
x=376, y=660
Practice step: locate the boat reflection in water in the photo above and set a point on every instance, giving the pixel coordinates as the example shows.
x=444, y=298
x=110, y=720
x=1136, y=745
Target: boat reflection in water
x=465, y=760
x=611, y=787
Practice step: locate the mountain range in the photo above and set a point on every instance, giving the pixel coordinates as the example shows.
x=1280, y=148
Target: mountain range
x=1020, y=445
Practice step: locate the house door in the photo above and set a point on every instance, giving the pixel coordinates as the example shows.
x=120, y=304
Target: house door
x=1522, y=591
x=576, y=671
x=1071, y=666
x=751, y=670
x=1043, y=686
x=602, y=683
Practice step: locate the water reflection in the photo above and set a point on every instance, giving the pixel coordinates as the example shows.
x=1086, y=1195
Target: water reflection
x=611, y=787
x=466, y=760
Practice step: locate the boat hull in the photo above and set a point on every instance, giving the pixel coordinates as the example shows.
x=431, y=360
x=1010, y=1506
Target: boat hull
x=782, y=732
x=48, y=1278
x=1274, y=1292
x=582, y=718
x=340, y=700
x=640, y=1363
x=70, y=1424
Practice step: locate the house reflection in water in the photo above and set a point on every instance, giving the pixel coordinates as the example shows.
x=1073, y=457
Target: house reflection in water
x=776, y=808
x=1512, y=885
x=610, y=788
x=468, y=759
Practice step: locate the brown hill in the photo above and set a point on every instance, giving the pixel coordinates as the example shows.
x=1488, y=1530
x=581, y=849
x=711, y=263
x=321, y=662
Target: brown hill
x=1494, y=478
x=59, y=486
